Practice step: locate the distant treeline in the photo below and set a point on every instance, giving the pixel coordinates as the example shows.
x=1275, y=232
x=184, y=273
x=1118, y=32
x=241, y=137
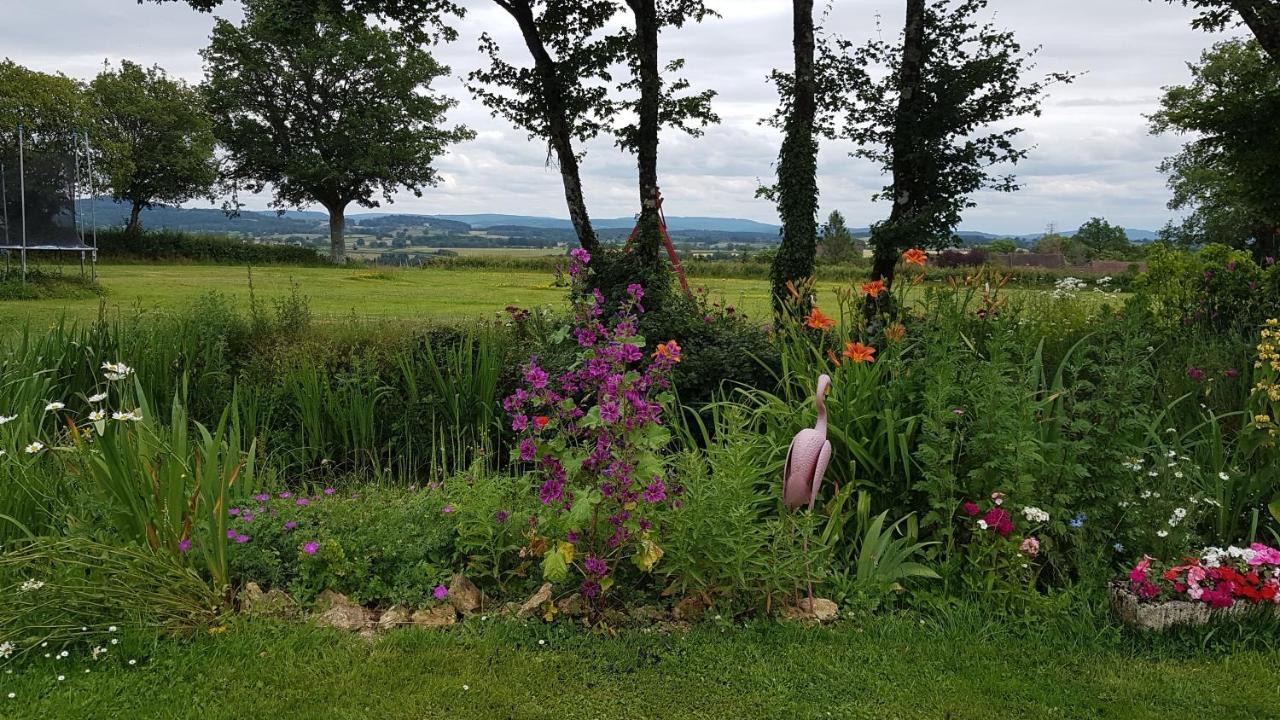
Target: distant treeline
x=117, y=244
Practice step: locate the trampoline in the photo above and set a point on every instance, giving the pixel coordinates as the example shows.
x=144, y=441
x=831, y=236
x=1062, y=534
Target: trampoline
x=42, y=209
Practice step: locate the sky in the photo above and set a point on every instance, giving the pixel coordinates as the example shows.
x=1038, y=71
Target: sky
x=1092, y=153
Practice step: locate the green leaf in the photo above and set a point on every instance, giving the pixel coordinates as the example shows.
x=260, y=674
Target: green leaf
x=554, y=568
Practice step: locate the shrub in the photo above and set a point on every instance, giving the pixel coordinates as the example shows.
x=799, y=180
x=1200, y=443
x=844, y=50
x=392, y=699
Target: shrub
x=174, y=245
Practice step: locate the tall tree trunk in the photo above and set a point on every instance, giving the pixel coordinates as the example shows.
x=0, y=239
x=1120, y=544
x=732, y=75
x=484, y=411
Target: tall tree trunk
x=1263, y=18
x=648, y=240
x=559, y=125
x=798, y=165
x=893, y=236
x=337, y=232
x=134, y=221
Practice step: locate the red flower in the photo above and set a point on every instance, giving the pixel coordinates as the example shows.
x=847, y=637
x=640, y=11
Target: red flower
x=541, y=421
x=970, y=508
x=999, y=521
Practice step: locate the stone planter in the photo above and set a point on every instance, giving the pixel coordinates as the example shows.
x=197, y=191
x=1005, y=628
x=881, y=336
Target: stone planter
x=1164, y=615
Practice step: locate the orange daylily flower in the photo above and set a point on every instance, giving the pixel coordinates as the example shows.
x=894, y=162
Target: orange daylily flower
x=915, y=257
x=832, y=357
x=895, y=332
x=873, y=288
x=818, y=321
x=669, y=350
x=859, y=353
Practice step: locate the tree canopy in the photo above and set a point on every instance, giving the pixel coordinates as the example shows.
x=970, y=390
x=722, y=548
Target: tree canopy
x=153, y=137
x=1262, y=17
x=336, y=111
x=1227, y=176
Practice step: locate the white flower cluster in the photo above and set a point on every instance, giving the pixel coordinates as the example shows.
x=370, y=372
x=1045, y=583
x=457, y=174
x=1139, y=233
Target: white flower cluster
x=132, y=415
x=1035, y=514
x=1066, y=286
x=116, y=371
x=6, y=650
x=1213, y=556
x=1179, y=514
x=31, y=585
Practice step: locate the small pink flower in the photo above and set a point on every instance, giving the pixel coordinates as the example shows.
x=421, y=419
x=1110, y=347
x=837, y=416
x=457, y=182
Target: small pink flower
x=447, y=509
x=330, y=491
x=302, y=502
x=183, y=546
x=441, y=592
x=1030, y=547
x=997, y=498
x=311, y=548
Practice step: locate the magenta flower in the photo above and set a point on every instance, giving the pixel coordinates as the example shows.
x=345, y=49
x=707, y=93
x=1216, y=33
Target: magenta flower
x=242, y=539
x=595, y=566
x=183, y=546
x=285, y=495
x=1195, y=373
x=501, y=516
x=441, y=592
x=233, y=512
x=231, y=534
x=262, y=497
x=290, y=525
x=447, y=509
x=970, y=508
x=330, y=491
x=656, y=491
x=302, y=502
x=311, y=547
x=998, y=521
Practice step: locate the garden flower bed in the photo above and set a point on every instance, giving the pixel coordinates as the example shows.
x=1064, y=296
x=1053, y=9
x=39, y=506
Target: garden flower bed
x=1199, y=589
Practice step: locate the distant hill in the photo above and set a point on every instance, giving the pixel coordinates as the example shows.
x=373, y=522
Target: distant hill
x=696, y=229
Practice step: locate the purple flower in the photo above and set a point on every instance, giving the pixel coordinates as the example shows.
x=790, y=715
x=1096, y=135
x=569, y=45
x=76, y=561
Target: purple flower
x=595, y=566
x=590, y=589
x=285, y=495
x=635, y=291
x=330, y=491
x=290, y=525
x=441, y=592
x=501, y=516
x=233, y=512
x=262, y=497
x=447, y=509
x=656, y=491
x=183, y=546
x=571, y=537
x=247, y=517
x=231, y=534
x=528, y=450
x=580, y=255
x=242, y=539
x=302, y=502
x=311, y=547
x=519, y=423
x=1195, y=373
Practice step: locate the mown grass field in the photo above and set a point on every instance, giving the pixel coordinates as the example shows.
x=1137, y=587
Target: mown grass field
x=886, y=668
x=338, y=294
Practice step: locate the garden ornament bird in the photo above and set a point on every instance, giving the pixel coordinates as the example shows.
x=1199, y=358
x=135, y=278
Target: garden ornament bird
x=808, y=457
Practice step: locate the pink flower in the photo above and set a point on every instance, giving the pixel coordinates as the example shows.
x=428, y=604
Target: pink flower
x=311, y=548
x=1264, y=555
x=1139, y=572
x=184, y=545
x=330, y=491
x=441, y=592
x=970, y=508
x=999, y=521
x=447, y=509
x=1030, y=547
x=997, y=498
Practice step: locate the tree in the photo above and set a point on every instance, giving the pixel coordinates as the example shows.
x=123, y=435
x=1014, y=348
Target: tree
x=1003, y=246
x=1101, y=239
x=797, y=188
x=837, y=243
x=1261, y=16
x=423, y=20
x=561, y=98
x=154, y=137
x=50, y=108
x=657, y=104
x=938, y=121
x=1228, y=175
x=335, y=111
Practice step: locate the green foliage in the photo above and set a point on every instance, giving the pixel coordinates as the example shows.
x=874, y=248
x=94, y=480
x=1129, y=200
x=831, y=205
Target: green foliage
x=377, y=546
x=1227, y=177
x=154, y=138
x=1103, y=240
x=50, y=108
x=333, y=110
x=837, y=244
x=169, y=245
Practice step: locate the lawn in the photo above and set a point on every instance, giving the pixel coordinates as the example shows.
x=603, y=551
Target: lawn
x=887, y=668
x=340, y=294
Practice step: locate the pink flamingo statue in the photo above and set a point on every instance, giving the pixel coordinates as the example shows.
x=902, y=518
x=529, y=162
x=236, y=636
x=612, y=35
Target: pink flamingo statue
x=808, y=457
x=807, y=461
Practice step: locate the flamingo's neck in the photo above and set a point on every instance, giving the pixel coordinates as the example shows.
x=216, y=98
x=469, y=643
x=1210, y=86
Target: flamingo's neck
x=822, y=412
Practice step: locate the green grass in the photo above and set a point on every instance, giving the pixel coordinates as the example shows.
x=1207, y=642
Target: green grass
x=339, y=294
x=887, y=668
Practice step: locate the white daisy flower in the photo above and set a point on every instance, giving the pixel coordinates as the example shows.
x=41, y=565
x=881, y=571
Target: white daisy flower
x=99, y=397
x=116, y=371
x=7, y=418
x=54, y=406
x=35, y=447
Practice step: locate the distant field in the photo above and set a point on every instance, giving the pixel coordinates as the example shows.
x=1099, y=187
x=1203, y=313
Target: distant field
x=338, y=294
x=463, y=252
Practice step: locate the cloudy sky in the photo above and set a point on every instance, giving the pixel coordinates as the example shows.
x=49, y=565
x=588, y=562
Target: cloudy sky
x=1093, y=155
